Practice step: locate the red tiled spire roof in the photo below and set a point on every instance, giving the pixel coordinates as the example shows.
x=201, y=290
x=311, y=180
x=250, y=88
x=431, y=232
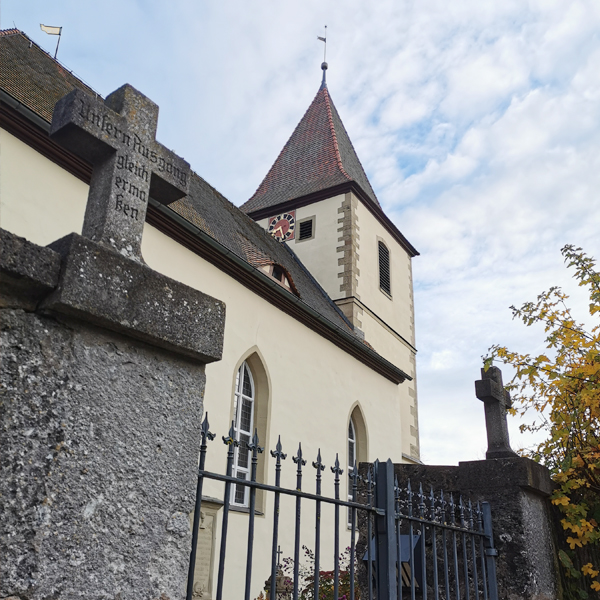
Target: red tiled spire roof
x=318, y=155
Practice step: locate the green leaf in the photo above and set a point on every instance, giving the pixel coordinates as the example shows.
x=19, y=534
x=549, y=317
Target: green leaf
x=564, y=559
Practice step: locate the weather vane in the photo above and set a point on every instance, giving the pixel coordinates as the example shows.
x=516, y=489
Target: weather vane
x=324, y=64
x=324, y=39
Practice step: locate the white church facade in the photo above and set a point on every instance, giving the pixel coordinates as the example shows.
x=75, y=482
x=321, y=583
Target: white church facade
x=319, y=342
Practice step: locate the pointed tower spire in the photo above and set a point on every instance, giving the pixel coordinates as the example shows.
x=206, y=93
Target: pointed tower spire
x=319, y=155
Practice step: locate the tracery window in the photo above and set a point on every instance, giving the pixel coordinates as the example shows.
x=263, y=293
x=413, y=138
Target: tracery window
x=243, y=423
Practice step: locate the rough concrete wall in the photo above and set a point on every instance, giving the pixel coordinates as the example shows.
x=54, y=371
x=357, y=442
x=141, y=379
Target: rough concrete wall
x=517, y=490
x=526, y=564
x=537, y=524
x=95, y=447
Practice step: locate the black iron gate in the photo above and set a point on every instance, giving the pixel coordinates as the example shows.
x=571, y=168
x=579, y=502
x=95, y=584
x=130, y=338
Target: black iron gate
x=413, y=544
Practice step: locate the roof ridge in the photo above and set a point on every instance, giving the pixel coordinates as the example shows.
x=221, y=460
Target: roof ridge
x=12, y=31
x=332, y=127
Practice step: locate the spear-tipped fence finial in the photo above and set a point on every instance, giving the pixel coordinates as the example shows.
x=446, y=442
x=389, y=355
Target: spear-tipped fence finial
x=461, y=511
x=336, y=467
x=278, y=452
x=353, y=472
x=443, y=505
x=421, y=497
x=470, y=510
x=479, y=516
x=254, y=444
x=317, y=464
x=206, y=434
x=409, y=494
x=298, y=458
x=230, y=439
x=432, y=504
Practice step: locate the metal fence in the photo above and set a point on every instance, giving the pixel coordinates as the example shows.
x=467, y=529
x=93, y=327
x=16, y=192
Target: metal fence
x=411, y=543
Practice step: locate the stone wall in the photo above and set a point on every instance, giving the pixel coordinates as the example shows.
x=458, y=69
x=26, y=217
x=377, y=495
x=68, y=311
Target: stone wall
x=100, y=430
x=517, y=490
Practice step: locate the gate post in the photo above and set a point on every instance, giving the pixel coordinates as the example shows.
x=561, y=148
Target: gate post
x=385, y=531
x=490, y=551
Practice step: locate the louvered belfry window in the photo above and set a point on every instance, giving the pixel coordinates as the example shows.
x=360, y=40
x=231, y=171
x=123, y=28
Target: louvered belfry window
x=306, y=230
x=384, y=269
x=243, y=410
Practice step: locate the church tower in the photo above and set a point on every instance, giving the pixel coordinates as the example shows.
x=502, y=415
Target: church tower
x=317, y=199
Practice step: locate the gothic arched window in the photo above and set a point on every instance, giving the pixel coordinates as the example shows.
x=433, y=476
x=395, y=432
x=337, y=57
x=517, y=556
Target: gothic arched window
x=243, y=423
x=351, y=460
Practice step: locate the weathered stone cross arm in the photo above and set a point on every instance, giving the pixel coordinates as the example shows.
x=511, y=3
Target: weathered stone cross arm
x=118, y=137
x=490, y=388
x=496, y=400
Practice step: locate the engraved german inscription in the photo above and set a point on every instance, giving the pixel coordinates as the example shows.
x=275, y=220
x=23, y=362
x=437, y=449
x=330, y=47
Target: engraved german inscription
x=102, y=122
x=125, y=208
x=139, y=170
x=117, y=136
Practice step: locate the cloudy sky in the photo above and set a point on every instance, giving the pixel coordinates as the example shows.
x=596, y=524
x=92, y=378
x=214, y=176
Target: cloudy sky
x=478, y=124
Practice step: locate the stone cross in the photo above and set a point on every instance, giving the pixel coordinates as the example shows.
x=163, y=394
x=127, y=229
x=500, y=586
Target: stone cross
x=118, y=137
x=496, y=400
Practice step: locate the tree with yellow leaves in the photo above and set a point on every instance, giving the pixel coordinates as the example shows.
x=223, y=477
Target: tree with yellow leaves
x=564, y=389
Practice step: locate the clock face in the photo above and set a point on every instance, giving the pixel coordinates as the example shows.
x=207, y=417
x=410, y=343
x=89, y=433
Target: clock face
x=283, y=226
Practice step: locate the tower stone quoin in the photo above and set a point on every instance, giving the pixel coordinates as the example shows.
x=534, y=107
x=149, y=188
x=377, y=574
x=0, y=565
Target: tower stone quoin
x=118, y=137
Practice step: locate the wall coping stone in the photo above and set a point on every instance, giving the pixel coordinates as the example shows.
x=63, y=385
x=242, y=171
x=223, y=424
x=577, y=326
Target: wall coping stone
x=506, y=473
x=102, y=287
x=481, y=476
x=27, y=271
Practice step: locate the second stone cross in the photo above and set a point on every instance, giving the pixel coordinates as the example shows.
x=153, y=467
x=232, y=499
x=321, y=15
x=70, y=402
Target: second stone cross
x=496, y=400
x=118, y=137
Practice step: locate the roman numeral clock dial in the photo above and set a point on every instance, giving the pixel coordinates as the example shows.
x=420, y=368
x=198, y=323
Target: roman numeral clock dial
x=282, y=227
